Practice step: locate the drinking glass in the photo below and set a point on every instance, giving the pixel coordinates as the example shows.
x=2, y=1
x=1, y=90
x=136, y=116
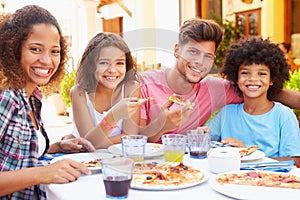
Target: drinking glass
x=174, y=147
x=198, y=143
x=117, y=176
x=133, y=146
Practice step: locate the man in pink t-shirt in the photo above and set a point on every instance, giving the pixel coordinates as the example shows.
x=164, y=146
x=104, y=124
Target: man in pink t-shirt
x=195, y=55
x=208, y=96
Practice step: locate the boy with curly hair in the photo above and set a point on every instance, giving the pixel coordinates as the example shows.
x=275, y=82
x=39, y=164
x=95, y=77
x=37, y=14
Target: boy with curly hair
x=257, y=70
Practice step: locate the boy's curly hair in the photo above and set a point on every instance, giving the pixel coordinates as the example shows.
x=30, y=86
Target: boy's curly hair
x=255, y=50
x=14, y=30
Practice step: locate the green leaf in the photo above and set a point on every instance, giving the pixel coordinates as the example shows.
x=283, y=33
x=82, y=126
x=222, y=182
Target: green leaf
x=65, y=87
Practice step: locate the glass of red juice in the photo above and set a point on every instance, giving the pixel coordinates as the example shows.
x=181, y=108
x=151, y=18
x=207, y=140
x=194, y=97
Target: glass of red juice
x=117, y=176
x=198, y=142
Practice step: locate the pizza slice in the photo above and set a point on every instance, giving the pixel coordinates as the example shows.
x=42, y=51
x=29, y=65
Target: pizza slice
x=248, y=150
x=177, y=99
x=180, y=100
x=142, y=100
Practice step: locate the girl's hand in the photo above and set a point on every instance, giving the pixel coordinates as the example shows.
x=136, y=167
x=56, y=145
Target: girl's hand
x=126, y=108
x=74, y=145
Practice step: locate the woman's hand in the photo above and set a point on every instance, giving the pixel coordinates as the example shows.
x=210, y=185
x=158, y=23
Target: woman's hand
x=62, y=171
x=74, y=145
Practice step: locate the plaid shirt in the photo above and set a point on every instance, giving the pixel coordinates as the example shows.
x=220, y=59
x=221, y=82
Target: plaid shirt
x=18, y=138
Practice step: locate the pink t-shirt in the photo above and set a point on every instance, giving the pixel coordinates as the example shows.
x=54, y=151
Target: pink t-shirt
x=211, y=94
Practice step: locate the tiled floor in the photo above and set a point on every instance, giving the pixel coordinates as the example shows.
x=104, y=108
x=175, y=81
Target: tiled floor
x=56, y=125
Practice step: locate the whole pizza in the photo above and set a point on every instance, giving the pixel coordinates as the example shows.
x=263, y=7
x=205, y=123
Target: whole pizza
x=165, y=174
x=260, y=178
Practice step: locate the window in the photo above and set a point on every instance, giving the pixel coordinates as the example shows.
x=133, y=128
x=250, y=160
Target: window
x=248, y=23
x=208, y=9
x=114, y=25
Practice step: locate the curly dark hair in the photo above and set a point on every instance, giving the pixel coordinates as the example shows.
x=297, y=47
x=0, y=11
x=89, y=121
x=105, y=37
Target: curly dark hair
x=85, y=76
x=196, y=29
x=14, y=30
x=256, y=50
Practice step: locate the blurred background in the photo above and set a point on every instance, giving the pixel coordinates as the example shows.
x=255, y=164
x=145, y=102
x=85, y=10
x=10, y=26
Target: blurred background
x=150, y=28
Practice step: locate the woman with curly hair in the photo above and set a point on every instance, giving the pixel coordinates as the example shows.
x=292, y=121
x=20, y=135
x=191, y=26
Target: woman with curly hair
x=257, y=69
x=104, y=99
x=33, y=54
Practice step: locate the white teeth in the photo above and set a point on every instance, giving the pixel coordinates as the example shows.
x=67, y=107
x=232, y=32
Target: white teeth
x=253, y=86
x=196, y=70
x=41, y=71
x=111, y=77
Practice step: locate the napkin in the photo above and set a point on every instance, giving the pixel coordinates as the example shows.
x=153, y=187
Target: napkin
x=46, y=159
x=281, y=166
x=215, y=144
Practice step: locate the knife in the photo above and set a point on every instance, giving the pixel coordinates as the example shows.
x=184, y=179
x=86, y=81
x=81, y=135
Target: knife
x=269, y=164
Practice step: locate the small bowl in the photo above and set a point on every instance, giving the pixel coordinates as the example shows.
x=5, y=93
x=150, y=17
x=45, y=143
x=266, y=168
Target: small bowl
x=223, y=159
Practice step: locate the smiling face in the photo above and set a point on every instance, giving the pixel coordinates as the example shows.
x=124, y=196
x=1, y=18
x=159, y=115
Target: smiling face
x=254, y=80
x=40, y=54
x=110, y=67
x=195, y=59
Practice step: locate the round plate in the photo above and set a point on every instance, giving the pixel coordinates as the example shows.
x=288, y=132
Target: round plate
x=169, y=187
x=85, y=157
x=152, y=150
x=253, y=156
x=253, y=192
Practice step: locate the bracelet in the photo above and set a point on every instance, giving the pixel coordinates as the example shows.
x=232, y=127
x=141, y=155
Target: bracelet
x=106, y=125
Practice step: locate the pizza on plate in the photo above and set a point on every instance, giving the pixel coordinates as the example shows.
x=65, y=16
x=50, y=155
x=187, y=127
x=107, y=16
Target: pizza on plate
x=248, y=150
x=95, y=162
x=92, y=163
x=260, y=178
x=165, y=174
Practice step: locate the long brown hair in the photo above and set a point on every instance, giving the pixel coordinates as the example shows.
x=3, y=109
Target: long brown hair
x=85, y=76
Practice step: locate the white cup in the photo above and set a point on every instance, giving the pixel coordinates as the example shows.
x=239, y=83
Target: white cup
x=224, y=159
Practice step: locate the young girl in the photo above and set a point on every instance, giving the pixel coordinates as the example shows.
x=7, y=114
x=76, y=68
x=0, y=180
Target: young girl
x=106, y=79
x=258, y=69
x=33, y=54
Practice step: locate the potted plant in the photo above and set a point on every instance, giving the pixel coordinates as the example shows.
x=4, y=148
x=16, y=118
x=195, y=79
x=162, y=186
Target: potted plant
x=228, y=39
x=65, y=87
x=294, y=84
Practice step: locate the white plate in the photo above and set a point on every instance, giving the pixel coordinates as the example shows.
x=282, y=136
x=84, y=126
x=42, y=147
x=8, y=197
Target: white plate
x=253, y=156
x=80, y=157
x=253, y=192
x=152, y=150
x=169, y=187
